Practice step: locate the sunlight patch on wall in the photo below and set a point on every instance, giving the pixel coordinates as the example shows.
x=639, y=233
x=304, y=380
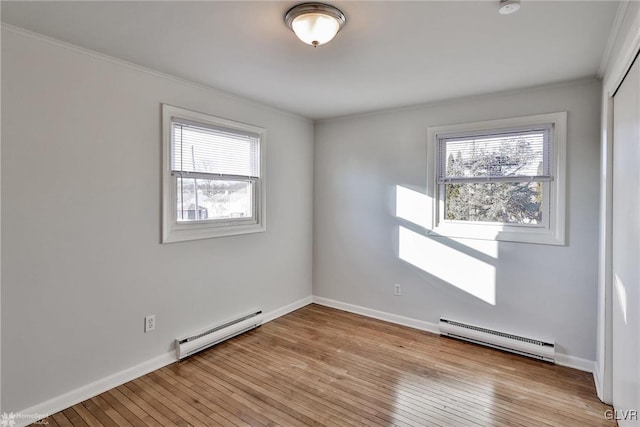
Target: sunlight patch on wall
x=413, y=206
x=463, y=271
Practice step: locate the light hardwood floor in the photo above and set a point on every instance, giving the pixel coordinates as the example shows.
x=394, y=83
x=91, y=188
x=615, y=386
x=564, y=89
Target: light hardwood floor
x=320, y=366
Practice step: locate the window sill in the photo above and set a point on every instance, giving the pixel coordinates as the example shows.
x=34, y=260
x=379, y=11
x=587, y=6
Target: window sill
x=182, y=233
x=504, y=233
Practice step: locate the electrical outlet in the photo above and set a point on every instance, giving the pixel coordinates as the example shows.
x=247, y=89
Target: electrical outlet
x=149, y=323
x=397, y=290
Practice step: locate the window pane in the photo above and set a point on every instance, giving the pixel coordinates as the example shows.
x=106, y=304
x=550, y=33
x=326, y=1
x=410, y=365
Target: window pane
x=502, y=202
x=214, y=199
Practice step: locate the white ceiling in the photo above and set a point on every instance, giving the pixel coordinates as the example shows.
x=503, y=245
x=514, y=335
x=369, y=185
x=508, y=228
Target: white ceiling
x=389, y=54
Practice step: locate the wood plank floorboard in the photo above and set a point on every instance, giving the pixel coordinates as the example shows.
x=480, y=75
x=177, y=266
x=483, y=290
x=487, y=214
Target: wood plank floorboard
x=319, y=366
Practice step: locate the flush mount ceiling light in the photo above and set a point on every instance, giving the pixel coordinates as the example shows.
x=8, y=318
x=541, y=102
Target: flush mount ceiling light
x=315, y=23
x=508, y=7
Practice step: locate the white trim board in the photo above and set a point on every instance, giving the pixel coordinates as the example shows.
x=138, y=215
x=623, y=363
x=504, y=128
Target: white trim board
x=614, y=72
x=100, y=386
x=279, y=312
x=95, y=388
x=561, y=359
x=597, y=378
x=613, y=35
x=575, y=362
x=380, y=315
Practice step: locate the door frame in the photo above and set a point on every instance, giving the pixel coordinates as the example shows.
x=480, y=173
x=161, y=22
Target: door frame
x=616, y=70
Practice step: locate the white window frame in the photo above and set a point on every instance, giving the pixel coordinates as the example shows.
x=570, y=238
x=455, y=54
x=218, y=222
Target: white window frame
x=552, y=229
x=174, y=231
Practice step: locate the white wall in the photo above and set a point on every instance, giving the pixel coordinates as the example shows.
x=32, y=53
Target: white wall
x=81, y=259
x=361, y=248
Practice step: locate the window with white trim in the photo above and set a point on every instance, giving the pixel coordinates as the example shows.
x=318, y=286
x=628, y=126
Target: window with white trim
x=213, y=181
x=500, y=179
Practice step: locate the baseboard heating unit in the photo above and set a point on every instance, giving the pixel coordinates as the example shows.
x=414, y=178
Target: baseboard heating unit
x=199, y=341
x=507, y=342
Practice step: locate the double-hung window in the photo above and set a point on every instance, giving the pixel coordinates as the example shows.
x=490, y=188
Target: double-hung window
x=213, y=181
x=500, y=180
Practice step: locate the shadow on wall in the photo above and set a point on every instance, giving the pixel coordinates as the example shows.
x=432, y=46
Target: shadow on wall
x=468, y=269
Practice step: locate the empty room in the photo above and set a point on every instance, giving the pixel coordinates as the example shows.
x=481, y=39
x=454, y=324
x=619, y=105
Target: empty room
x=351, y=213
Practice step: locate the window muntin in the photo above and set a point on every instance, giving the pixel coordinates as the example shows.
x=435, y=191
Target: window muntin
x=213, y=183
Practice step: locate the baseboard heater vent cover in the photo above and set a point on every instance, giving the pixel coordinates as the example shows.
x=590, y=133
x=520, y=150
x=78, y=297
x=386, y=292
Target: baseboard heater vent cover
x=202, y=340
x=524, y=346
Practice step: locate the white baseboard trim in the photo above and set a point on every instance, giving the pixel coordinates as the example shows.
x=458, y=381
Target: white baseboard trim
x=380, y=315
x=100, y=386
x=279, y=312
x=597, y=379
x=575, y=362
x=561, y=359
x=95, y=388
